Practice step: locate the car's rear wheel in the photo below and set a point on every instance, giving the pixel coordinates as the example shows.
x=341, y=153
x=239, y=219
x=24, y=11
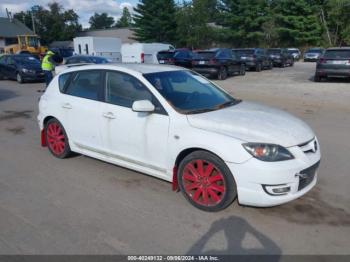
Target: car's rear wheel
x=258, y=67
x=56, y=138
x=222, y=73
x=317, y=78
x=242, y=70
x=206, y=181
x=19, y=78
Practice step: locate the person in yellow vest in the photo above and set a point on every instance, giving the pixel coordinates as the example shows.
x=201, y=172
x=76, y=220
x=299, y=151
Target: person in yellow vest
x=48, y=65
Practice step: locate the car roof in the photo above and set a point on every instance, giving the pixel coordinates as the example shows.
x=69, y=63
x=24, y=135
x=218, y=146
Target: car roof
x=141, y=68
x=339, y=48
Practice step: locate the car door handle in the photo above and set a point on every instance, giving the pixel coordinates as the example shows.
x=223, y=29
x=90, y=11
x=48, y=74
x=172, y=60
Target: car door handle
x=109, y=115
x=67, y=106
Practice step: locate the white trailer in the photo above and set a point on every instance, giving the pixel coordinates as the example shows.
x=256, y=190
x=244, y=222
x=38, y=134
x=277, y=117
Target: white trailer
x=108, y=47
x=143, y=52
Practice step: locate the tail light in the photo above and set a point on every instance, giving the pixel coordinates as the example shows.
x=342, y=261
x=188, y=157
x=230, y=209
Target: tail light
x=142, y=57
x=171, y=60
x=322, y=61
x=212, y=61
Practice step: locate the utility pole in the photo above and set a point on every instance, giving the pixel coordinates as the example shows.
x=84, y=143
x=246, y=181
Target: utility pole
x=325, y=25
x=33, y=23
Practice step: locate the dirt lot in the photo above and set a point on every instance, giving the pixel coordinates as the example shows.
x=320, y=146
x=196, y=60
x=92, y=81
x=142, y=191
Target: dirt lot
x=85, y=206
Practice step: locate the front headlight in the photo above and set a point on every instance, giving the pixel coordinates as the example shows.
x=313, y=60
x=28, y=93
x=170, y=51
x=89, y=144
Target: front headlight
x=268, y=152
x=25, y=70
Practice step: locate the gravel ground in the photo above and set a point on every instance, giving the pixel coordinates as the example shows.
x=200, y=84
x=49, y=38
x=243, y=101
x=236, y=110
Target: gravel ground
x=85, y=206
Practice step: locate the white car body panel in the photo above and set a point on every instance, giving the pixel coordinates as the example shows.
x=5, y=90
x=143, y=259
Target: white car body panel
x=131, y=53
x=150, y=143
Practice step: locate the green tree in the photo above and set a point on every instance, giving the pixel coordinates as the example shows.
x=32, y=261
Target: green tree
x=53, y=23
x=297, y=24
x=196, y=24
x=154, y=21
x=101, y=21
x=243, y=21
x=125, y=20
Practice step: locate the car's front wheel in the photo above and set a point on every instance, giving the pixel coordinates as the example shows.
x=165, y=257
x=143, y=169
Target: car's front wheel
x=242, y=70
x=56, y=139
x=206, y=181
x=19, y=78
x=222, y=73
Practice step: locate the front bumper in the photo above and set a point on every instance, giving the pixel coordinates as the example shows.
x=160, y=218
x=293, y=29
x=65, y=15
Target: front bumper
x=310, y=59
x=253, y=176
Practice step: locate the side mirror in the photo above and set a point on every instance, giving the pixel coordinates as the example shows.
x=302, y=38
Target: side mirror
x=143, y=106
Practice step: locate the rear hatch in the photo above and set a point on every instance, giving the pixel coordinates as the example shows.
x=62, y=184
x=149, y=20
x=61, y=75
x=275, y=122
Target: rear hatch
x=165, y=57
x=246, y=54
x=204, y=58
x=335, y=59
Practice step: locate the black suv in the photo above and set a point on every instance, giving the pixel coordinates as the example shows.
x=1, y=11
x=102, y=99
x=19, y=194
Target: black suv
x=180, y=57
x=335, y=62
x=280, y=57
x=254, y=58
x=217, y=62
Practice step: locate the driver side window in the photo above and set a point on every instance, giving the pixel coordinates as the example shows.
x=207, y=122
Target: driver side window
x=123, y=90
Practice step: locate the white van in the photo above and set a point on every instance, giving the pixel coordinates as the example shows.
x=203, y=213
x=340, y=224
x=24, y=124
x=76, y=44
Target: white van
x=143, y=52
x=108, y=47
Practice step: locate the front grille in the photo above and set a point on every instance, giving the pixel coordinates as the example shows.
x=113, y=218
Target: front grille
x=309, y=146
x=307, y=176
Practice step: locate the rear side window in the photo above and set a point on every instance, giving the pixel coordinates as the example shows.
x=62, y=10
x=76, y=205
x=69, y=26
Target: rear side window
x=337, y=54
x=62, y=81
x=86, y=84
x=165, y=55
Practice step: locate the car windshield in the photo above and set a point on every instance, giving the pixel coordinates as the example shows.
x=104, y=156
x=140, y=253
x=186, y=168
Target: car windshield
x=337, y=54
x=293, y=51
x=66, y=52
x=188, y=92
x=205, y=55
x=245, y=51
x=273, y=51
x=314, y=51
x=26, y=59
x=165, y=55
x=99, y=60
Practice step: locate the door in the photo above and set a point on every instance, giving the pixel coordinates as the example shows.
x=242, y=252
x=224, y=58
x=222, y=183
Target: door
x=82, y=109
x=137, y=137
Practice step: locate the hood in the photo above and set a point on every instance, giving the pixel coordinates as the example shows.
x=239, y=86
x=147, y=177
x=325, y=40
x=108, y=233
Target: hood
x=253, y=122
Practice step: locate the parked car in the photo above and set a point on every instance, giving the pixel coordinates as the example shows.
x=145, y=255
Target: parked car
x=79, y=60
x=217, y=62
x=335, y=62
x=22, y=67
x=313, y=54
x=280, y=57
x=255, y=58
x=144, y=53
x=295, y=52
x=174, y=124
x=179, y=57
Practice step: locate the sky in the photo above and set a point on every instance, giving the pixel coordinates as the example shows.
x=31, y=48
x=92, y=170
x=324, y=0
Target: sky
x=84, y=8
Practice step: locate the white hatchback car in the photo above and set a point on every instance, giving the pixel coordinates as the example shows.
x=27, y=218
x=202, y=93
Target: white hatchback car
x=174, y=124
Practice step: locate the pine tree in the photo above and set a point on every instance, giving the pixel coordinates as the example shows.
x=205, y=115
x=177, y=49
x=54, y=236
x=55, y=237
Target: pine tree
x=296, y=23
x=125, y=20
x=101, y=21
x=154, y=21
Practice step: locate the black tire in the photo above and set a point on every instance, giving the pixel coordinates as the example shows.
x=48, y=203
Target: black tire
x=228, y=182
x=258, y=67
x=283, y=65
x=67, y=151
x=19, y=78
x=317, y=78
x=242, y=70
x=270, y=66
x=222, y=75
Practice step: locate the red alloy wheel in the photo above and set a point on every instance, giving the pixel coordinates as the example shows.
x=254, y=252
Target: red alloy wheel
x=203, y=182
x=55, y=138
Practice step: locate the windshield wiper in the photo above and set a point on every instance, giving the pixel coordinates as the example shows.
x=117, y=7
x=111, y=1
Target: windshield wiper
x=198, y=111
